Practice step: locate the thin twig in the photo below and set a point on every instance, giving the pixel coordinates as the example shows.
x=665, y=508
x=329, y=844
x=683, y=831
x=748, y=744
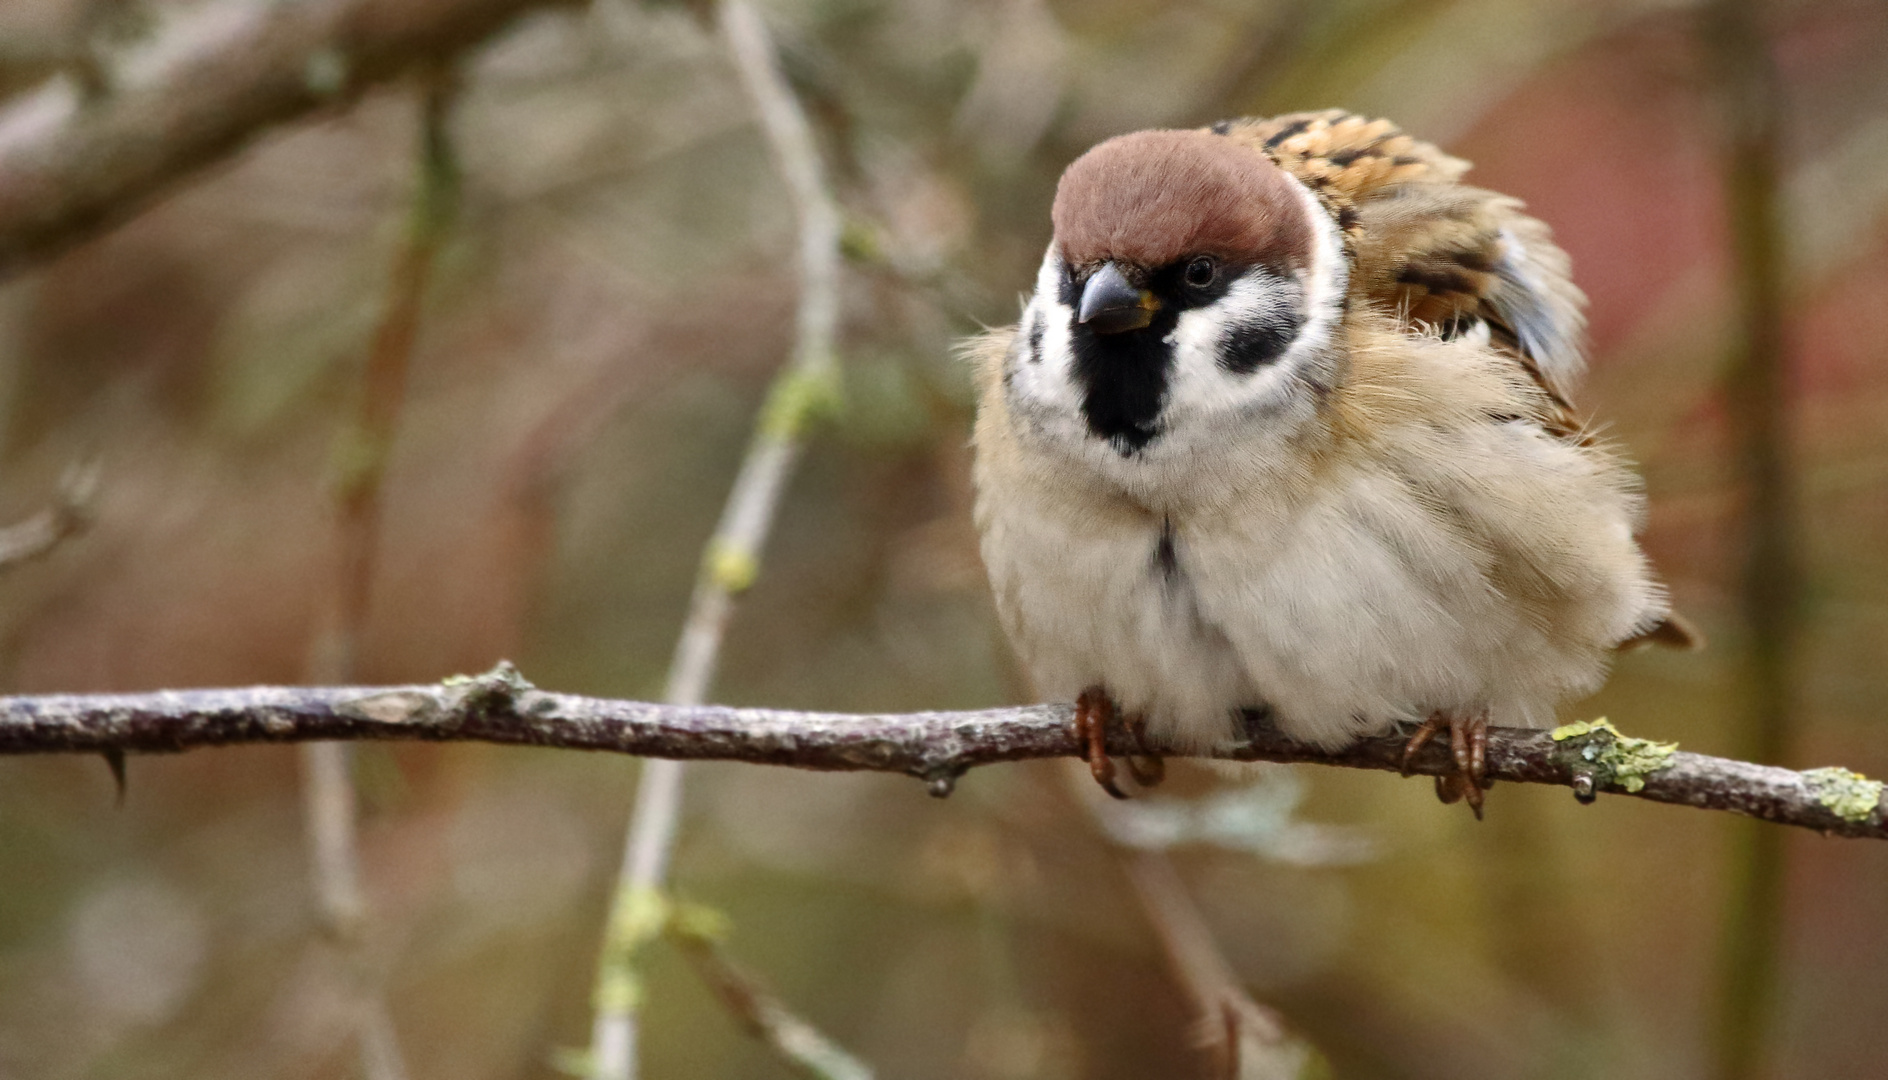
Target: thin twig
x=1249, y=1040
x=86, y=58
x=1757, y=398
x=196, y=92
x=69, y=514
x=331, y=802
x=732, y=557
x=799, y=1045
x=329, y=813
x=937, y=747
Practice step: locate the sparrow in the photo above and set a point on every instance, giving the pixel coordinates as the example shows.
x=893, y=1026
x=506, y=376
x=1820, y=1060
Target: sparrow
x=1286, y=427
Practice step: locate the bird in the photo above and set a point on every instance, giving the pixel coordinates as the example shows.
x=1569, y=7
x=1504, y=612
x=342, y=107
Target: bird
x=1286, y=429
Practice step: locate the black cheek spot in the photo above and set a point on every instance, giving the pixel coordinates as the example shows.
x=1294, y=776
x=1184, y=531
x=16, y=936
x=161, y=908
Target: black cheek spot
x=1223, y=127
x=1034, y=356
x=1250, y=346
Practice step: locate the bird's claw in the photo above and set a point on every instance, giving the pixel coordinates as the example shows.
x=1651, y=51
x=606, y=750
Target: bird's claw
x=1468, y=747
x=1094, y=711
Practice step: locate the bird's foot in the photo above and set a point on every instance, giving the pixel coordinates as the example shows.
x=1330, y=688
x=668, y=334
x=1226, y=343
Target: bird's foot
x=1094, y=711
x=1468, y=745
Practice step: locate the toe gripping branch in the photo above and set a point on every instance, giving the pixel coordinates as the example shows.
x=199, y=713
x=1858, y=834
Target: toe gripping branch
x=1468, y=746
x=1094, y=713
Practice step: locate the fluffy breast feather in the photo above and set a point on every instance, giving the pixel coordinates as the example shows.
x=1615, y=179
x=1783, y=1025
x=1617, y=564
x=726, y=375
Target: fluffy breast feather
x=1450, y=558
x=1415, y=552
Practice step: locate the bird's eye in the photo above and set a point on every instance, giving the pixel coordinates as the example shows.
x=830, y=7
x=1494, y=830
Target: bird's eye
x=1202, y=271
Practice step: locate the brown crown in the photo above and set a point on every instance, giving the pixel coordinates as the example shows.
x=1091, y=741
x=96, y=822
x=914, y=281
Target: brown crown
x=1154, y=197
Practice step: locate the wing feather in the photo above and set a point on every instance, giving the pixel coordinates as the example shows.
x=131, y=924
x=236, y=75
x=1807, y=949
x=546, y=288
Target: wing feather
x=1443, y=256
x=1447, y=258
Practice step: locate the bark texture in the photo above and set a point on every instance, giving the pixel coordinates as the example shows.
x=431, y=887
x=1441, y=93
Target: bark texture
x=936, y=747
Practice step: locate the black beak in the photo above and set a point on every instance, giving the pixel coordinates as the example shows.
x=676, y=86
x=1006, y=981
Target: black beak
x=1111, y=304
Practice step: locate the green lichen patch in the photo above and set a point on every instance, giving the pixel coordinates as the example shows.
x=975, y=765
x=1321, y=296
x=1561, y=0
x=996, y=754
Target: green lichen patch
x=1852, y=796
x=500, y=686
x=1583, y=727
x=504, y=674
x=1597, y=749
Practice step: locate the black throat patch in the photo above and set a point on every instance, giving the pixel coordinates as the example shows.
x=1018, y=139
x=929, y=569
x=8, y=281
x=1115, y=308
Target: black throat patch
x=1124, y=380
x=1123, y=376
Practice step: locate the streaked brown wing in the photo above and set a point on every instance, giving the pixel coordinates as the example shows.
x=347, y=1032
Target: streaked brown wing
x=1446, y=257
x=1443, y=256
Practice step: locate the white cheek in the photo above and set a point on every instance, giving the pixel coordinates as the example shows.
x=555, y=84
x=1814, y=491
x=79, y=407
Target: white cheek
x=1045, y=382
x=1043, y=386
x=1200, y=391
x=1049, y=276
x=1199, y=384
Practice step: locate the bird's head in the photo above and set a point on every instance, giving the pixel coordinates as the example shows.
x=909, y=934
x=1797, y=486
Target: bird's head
x=1190, y=279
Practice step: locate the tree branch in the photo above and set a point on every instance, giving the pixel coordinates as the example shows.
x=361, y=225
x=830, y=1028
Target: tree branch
x=72, y=164
x=797, y=1044
x=1249, y=1040
x=938, y=747
x=331, y=803
x=69, y=514
x=803, y=388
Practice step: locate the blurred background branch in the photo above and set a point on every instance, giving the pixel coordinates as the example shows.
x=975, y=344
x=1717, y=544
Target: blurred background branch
x=1249, y=1041
x=40, y=534
x=1245, y=1039
x=797, y=1044
x=1758, y=394
x=937, y=747
x=806, y=388
x=330, y=799
x=74, y=161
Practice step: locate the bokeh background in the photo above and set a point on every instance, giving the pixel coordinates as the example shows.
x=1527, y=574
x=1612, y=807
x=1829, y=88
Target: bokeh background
x=607, y=310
